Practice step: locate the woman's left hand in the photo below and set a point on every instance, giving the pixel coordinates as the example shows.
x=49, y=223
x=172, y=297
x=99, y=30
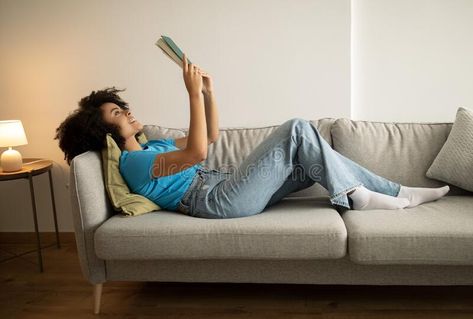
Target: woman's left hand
x=207, y=87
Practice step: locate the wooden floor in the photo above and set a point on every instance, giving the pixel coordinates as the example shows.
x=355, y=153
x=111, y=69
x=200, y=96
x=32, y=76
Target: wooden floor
x=62, y=292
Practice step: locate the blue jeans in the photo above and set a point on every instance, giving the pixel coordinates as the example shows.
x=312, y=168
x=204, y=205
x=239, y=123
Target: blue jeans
x=293, y=157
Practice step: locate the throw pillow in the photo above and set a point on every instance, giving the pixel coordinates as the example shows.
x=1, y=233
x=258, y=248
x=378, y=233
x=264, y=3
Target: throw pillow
x=122, y=199
x=454, y=163
x=142, y=138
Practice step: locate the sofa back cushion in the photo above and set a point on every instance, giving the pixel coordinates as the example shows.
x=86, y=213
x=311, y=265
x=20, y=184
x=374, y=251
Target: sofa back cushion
x=235, y=143
x=401, y=152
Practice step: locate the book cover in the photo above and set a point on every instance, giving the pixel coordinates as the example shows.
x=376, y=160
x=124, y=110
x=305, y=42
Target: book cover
x=174, y=47
x=169, y=52
x=170, y=48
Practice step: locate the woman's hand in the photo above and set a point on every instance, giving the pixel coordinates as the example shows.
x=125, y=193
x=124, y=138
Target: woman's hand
x=192, y=77
x=207, y=82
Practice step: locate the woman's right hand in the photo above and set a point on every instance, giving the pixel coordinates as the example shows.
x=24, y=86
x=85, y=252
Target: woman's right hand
x=192, y=77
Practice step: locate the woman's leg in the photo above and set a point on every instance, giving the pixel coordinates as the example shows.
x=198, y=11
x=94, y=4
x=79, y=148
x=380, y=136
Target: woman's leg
x=248, y=189
x=375, y=195
x=296, y=181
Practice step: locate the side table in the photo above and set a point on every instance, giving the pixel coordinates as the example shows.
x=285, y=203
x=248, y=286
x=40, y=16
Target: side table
x=32, y=167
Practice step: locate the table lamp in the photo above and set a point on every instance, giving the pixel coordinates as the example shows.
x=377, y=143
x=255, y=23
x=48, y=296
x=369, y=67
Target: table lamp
x=11, y=134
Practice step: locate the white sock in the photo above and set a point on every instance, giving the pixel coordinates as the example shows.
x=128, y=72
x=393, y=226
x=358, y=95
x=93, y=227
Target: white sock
x=364, y=199
x=419, y=195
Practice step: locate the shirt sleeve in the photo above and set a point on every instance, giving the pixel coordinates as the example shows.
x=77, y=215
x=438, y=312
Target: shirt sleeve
x=171, y=141
x=137, y=168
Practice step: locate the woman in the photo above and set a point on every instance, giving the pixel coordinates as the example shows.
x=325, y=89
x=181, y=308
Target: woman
x=168, y=171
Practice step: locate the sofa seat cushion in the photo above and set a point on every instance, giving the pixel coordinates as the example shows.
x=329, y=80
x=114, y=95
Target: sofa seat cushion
x=438, y=232
x=294, y=228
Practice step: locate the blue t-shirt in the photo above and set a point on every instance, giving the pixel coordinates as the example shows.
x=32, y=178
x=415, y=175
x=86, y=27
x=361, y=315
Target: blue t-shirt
x=165, y=191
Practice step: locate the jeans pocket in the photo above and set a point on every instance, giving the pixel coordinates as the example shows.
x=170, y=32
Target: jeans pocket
x=203, y=201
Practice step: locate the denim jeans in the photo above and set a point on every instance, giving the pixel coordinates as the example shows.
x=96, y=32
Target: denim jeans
x=293, y=157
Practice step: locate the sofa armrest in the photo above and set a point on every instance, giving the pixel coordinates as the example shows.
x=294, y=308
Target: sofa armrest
x=90, y=208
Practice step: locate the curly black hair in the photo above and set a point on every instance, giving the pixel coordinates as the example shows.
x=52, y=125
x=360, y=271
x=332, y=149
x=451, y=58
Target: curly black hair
x=85, y=130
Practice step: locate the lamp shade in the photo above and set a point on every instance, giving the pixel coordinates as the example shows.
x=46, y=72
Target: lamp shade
x=12, y=133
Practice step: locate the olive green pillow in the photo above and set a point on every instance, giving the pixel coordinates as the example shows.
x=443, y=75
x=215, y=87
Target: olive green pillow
x=454, y=163
x=122, y=199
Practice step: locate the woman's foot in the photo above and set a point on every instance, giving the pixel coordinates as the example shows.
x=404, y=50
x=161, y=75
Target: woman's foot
x=365, y=199
x=419, y=195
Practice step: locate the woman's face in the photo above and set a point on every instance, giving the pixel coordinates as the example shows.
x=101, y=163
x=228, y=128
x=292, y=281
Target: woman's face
x=113, y=114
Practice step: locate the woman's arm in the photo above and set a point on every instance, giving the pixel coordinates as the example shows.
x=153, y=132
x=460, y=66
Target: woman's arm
x=196, y=149
x=211, y=112
x=211, y=116
x=197, y=138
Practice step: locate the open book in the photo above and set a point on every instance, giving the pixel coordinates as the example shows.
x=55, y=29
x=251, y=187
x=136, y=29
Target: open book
x=171, y=50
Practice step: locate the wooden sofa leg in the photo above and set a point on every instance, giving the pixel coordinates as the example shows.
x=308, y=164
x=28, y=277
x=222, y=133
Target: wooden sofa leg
x=97, y=297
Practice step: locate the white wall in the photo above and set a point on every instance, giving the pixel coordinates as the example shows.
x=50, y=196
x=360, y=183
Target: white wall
x=270, y=60
x=412, y=60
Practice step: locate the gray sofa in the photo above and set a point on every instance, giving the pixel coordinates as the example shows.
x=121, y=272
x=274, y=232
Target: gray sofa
x=301, y=239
